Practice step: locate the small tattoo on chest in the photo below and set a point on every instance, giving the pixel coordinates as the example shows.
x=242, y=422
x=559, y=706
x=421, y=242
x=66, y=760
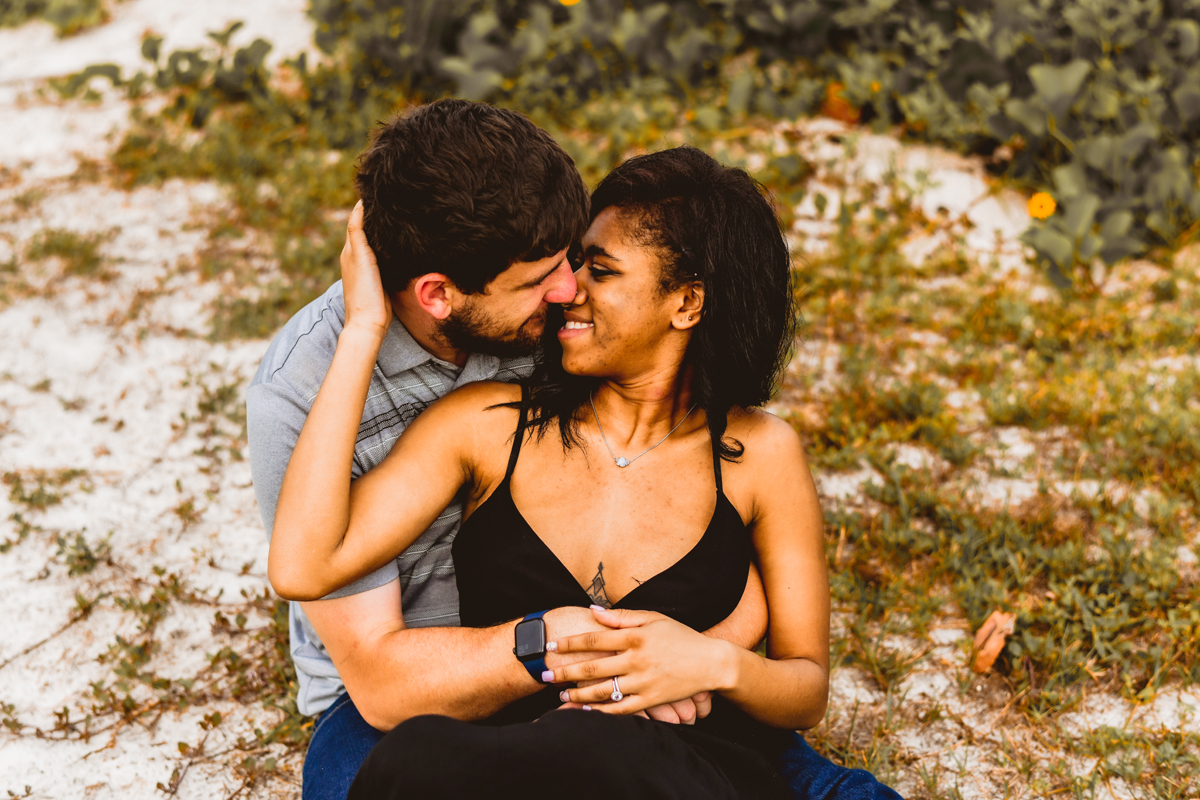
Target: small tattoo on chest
x=596, y=590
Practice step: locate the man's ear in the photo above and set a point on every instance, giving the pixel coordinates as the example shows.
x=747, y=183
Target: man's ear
x=691, y=303
x=435, y=294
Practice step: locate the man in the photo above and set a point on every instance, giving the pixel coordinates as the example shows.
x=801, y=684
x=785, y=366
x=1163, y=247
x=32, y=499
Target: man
x=469, y=210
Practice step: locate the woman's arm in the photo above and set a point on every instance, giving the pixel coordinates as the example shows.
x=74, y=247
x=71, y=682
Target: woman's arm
x=789, y=688
x=327, y=533
x=659, y=659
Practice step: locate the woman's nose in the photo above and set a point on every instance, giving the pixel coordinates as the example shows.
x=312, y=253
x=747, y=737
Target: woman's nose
x=563, y=286
x=580, y=296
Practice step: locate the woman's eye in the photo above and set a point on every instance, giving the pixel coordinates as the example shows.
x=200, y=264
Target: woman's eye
x=599, y=272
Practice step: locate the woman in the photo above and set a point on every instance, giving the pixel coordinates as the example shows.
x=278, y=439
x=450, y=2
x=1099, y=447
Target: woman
x=634, y=473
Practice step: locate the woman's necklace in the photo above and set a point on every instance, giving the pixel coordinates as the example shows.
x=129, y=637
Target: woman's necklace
x=625, y=462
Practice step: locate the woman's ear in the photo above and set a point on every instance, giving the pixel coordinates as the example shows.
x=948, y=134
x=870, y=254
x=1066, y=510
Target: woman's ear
x=435, y=294
x=691, y=304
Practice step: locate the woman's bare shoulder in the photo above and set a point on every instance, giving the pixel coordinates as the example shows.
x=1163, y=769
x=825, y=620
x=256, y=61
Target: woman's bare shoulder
x=482, y=395
x=765, y=437
x=482, y=406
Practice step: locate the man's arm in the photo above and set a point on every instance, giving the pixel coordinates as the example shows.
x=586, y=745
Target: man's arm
x=393, y=672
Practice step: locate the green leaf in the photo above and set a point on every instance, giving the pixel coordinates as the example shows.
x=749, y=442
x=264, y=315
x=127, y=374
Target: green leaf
x=708, y=118
x=152, y=48
x=186, y=67
x=1057, y=87
x=1027, y=114
x=1051, y=244
x=1097, y=152
x=1135, y=139
x=1116, y=224
x=80, y=79
x=1081, y=214
x=1188, y=31
x=222, y=37
x=1120, y=247
x=737, y=102
x=1088, y=247
x=1187, y=100
x=1070, y=180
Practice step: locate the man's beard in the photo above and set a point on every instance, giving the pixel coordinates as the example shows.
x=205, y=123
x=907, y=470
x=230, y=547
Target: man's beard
x=469, y=329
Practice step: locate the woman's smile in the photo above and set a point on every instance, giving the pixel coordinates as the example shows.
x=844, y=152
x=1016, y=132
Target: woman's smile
x=574, y=328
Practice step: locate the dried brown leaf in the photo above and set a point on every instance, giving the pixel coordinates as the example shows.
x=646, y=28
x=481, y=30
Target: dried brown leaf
x=990, y=639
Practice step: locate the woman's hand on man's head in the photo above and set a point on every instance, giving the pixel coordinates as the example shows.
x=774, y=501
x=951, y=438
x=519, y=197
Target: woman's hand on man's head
x=367, y=304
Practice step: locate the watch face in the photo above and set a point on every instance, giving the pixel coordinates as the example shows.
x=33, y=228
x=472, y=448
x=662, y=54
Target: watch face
x=531, y=638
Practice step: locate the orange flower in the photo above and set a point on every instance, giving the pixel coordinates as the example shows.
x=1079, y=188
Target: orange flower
x=1041, y=205
x=837, y=106
x=874, y=86
x=568, y=2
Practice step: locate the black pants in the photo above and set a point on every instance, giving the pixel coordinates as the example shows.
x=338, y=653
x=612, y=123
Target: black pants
x=577, y=754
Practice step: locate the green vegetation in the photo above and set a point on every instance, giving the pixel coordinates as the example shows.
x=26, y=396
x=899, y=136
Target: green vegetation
x=67, y=16
x=1094, y=101
x=1092, y=579
x=80, y=253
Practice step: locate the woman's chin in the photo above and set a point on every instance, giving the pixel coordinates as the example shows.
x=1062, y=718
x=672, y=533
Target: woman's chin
x=573, y=364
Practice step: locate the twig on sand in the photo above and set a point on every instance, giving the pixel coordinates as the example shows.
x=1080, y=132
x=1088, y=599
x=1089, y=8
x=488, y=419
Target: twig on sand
x=79, y=615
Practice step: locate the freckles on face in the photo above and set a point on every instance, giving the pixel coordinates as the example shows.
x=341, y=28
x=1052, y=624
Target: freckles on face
x=623, y=316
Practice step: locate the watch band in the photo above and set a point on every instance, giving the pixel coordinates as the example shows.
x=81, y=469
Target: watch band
x=537, y=665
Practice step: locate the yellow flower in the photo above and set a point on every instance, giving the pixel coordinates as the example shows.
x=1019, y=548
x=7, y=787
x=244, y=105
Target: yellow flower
x=568, y=2
x=1041, y=205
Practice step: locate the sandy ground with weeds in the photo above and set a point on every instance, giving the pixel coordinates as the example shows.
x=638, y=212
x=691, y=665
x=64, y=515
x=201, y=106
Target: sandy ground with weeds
x=113, y=401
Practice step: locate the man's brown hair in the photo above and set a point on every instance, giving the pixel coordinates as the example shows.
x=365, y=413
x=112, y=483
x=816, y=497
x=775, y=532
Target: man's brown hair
x=466, y=189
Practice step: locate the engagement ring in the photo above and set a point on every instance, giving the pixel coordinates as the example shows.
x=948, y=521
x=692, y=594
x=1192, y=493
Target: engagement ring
x=616, y=692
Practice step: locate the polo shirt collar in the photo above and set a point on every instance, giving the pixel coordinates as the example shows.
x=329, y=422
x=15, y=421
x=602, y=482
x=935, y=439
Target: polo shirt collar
x=400, y=352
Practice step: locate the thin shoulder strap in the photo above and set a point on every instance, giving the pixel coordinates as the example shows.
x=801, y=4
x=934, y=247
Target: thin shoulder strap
x=519, y=436
x=716, y=451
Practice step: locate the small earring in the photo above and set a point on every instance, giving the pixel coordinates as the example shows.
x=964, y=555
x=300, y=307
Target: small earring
x=689, y=317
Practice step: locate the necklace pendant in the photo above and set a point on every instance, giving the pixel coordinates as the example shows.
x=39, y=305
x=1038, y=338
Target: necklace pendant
x=621, y=462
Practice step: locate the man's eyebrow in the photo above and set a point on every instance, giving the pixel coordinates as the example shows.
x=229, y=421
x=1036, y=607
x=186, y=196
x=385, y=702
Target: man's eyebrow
x=536, y=281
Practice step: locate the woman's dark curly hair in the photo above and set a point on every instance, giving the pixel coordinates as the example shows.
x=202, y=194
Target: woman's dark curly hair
x=713, y=224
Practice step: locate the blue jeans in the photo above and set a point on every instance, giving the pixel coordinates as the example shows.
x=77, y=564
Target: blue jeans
x=340, y=744
x=342, y=740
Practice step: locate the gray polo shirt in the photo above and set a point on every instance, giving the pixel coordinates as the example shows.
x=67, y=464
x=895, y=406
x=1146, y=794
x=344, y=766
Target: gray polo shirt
x=407, y=378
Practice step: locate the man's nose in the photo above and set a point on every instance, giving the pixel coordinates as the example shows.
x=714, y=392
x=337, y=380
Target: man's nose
x=562, y=284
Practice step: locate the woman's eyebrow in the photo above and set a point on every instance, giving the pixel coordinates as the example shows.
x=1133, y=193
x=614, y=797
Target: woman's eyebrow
x=596, y=250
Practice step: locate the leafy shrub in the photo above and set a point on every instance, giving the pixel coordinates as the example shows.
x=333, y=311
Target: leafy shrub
x=1098, y=99
x=67, y=16
x=1095, y=100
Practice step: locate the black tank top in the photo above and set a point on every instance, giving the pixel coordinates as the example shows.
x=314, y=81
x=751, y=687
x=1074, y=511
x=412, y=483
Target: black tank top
x=504, y=571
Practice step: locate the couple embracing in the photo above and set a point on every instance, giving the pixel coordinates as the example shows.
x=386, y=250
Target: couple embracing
x=520, y=490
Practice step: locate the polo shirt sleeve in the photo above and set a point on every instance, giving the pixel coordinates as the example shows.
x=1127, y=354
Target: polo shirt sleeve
x=275, y=415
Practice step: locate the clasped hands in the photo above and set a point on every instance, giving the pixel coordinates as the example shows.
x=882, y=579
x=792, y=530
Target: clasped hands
x=665, y=670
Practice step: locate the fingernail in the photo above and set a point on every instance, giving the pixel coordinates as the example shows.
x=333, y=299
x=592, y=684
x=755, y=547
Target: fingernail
x=597, y=608
x=565, y=696
x=547, y=676
x=551, y=647
x=587, y=708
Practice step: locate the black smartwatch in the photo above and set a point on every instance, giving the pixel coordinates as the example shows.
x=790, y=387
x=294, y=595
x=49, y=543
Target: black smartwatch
x=530, y=647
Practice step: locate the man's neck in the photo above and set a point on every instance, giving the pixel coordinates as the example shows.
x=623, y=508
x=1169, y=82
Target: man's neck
x=424, y=329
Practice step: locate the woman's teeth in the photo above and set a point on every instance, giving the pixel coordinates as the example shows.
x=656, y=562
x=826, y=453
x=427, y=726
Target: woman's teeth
x=577, y=326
